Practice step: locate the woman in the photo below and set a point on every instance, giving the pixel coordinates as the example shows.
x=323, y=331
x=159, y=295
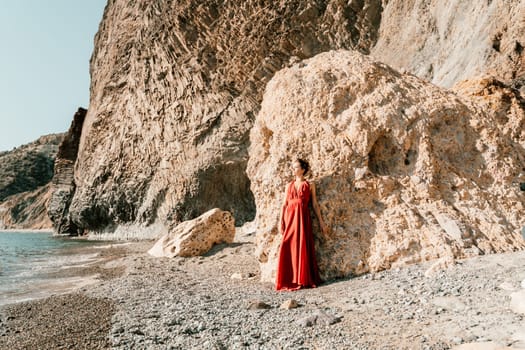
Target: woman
x=297, y=267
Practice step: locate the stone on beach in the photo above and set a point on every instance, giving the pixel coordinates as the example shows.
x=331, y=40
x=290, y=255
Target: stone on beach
x=439, y=265
x=197, y=236
x=450, y=303
x=289, y=304
x=241, y=276
x=257, y=305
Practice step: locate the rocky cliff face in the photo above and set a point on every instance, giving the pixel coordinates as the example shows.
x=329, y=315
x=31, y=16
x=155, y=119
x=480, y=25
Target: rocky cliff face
x=25, y=173
x=27, y=210
x=445, y=41
x=406, y=171
x=63, y=183
x=175, y=89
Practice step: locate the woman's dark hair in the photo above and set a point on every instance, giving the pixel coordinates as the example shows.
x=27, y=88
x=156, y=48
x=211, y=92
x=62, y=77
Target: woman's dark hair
x=304, y=165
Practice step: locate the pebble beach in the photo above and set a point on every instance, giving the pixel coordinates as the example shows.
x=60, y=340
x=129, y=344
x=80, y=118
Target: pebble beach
x=216, y=301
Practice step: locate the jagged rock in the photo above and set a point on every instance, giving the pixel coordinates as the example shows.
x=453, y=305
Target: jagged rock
x=437, y=41
x=63, y=179
x=439, y=265
x=241, y=276
x=289, y=304
x=26, y=210
x=236, y=276
x=25, y=173
x=197, y=236
x=503, y=102
x=405, y=171
x=175, y=87
x=29, y=166
x=257, y=305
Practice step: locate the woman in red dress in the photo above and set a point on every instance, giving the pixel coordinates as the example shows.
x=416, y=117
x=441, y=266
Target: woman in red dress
x=297, y=267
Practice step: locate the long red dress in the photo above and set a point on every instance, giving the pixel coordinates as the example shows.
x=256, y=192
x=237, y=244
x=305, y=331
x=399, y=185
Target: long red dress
x=297, y=267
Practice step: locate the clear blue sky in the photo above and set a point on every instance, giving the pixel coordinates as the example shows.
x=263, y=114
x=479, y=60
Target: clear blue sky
x=45, y=48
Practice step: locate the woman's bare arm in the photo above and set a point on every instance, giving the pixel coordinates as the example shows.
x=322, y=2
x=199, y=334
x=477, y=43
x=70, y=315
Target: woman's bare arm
x=283, y=208
x=317, y=210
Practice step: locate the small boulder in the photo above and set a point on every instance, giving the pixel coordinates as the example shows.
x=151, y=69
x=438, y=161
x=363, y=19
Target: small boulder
x=439, y=265
x=242, y=275
x=236, y=276
x=257, y=305
x=196, y=237
x=289, y=304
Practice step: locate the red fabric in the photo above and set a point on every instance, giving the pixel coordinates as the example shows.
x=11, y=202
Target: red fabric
x=297, y=267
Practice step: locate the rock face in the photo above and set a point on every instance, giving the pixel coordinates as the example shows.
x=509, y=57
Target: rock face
x=26, y=210
x=25, y=173
x=405, y=171
x=176, y=86
x=29, y=166
x=63, y=179
x=197, y=236
x=445, y=41
x=174, y=91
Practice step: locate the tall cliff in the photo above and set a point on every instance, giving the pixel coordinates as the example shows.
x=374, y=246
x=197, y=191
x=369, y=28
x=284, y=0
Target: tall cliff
x=25, y=176
x=176, y=87
x=63, y=184
x=445, y=41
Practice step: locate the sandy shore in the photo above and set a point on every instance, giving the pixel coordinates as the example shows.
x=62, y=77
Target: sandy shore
x=185, y=303
x=44, y=230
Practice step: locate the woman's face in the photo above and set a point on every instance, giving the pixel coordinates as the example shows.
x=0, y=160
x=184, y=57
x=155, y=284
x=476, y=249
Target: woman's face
x=296, y=168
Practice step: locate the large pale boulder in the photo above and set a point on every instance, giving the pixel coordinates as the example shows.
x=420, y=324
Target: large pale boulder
x=405, y=171
x=197, y=236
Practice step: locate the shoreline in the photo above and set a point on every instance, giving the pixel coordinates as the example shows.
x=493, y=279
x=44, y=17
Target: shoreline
x=215, y=301
x=43, y=230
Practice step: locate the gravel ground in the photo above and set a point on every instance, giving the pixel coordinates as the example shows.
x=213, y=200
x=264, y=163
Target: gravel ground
x=193, y=303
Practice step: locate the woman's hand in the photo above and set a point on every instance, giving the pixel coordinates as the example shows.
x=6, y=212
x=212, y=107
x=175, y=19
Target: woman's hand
x=282, y=227
x=324, y=229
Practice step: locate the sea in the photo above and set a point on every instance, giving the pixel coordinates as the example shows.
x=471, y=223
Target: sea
x=32, y=264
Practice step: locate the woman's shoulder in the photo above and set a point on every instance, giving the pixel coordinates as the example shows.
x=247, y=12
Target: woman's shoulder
x=311, y=184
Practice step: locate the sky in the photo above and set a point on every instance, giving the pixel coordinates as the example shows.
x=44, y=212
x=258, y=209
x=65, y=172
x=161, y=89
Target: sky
x=45, y=47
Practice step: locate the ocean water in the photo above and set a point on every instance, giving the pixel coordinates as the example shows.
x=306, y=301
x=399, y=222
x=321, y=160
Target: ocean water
x=31, y=264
